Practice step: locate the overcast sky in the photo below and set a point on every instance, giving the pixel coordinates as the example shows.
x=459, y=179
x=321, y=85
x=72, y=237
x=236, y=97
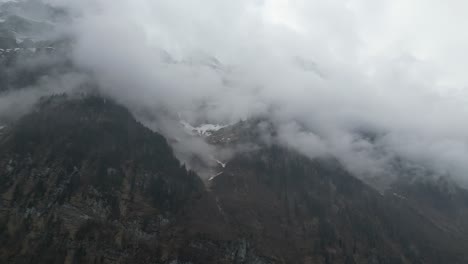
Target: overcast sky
x=321, y=69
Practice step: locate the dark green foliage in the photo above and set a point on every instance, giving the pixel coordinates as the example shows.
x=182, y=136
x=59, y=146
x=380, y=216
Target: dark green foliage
x=95, y=136
x=90, y=150
x=353, y=221
x=83, y=181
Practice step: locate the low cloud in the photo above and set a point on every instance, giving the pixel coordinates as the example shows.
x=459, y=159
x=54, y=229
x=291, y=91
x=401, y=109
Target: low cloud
x=327, y=73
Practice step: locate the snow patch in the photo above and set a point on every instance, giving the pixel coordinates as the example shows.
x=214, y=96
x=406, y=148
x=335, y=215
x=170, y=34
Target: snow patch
x=221, y=163
x=214, y=176
x=207, y=129
x=203, y=130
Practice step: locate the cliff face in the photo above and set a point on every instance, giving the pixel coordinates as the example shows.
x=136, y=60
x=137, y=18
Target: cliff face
x=82, y=182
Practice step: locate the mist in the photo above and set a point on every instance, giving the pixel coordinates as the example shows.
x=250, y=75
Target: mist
x=326, y=73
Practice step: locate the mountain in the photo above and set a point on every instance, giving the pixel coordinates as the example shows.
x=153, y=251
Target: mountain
x=81, y=181
x=319, y=210
x=29, y=20
x=30, y=49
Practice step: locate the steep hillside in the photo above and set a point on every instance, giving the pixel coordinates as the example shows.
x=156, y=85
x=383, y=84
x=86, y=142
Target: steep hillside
x=319, y=212
x=82, y=182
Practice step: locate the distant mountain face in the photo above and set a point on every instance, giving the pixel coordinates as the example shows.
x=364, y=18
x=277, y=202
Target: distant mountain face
x=82, y=182
x=30, y=48
x=27, y=20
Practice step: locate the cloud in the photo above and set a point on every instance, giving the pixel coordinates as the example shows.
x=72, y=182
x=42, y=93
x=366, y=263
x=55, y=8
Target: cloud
x=16, y=103
x=321, y=70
